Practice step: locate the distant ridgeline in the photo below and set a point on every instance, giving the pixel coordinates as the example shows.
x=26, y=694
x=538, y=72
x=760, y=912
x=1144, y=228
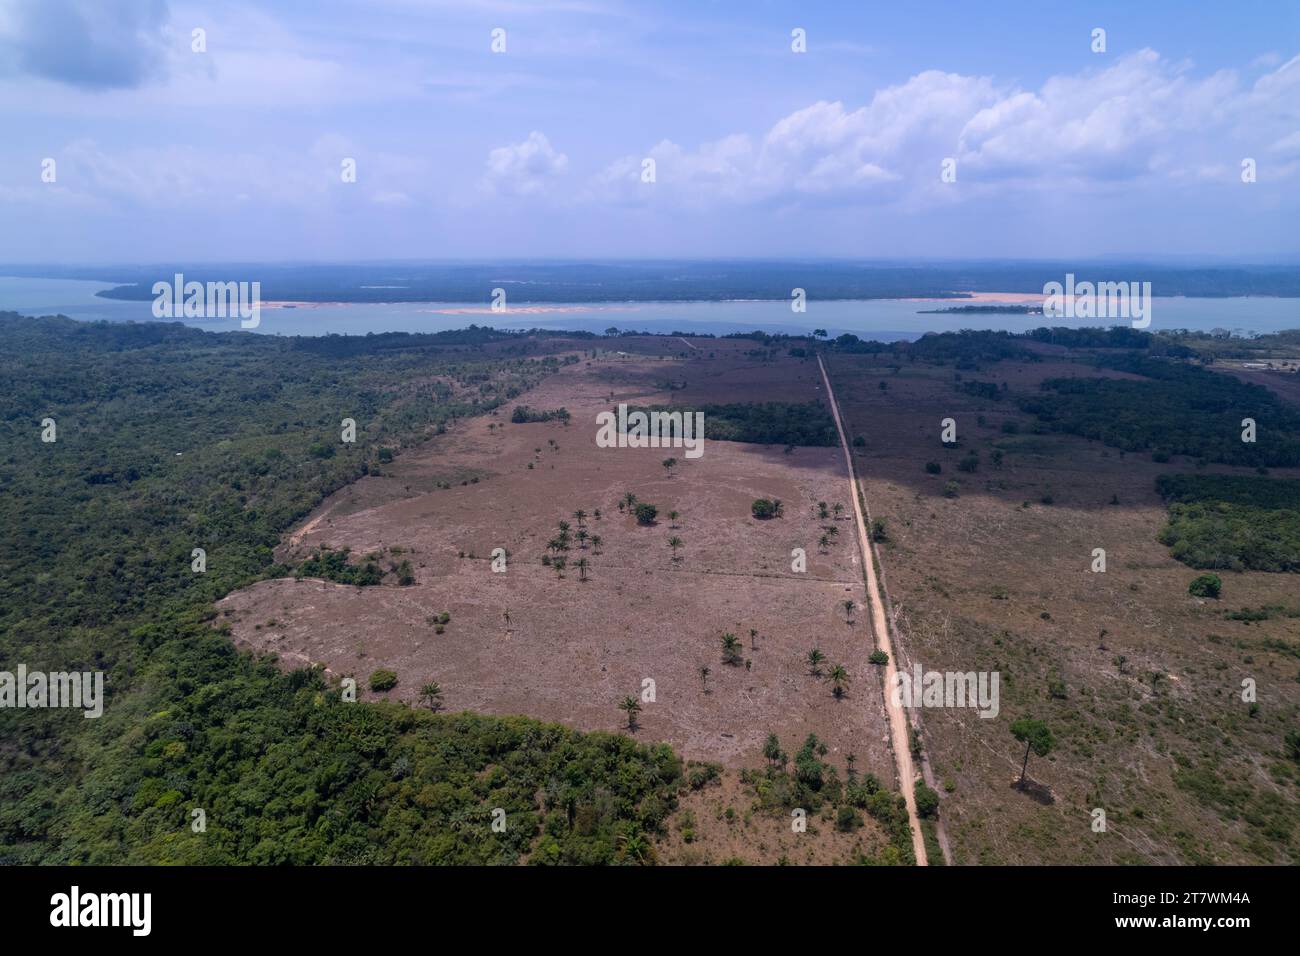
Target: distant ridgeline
x=668, y=280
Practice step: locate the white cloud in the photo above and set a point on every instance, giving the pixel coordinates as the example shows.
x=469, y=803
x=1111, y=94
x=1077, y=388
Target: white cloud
x=525, y=168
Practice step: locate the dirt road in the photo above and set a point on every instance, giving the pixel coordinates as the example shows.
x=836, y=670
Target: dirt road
x=898, y=724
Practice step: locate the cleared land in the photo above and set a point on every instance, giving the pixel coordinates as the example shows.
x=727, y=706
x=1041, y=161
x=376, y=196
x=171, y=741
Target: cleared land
x=1140, y=682
x=555, y=646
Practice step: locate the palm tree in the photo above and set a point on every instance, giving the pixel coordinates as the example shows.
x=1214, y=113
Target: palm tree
x=635, y=847
x=581, y=516
x=704, y=677
x=669, y=465
x=596, y=514
x=559, y=564
x=848, y=610
x=824, y=543
x=564, y=528
x=753, y=634
x=814, y=660
x=831, y=530
x=850, y=760
x=672, y=517
x=772, y=748
x=596, y=541
x=431, y=694
x=582, y=566
x=838, y=509
x=629, y=499
x=674, y=542
x=777, y=508
x=822, y=512
x=633, y=707
x=839, y=677
x=582, y=537
x=730, y=649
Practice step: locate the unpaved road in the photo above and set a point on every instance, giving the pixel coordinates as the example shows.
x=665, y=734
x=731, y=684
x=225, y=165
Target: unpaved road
x=898, y=724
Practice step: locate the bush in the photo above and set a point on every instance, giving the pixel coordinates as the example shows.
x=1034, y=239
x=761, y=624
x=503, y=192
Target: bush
x=847, y=819
x=933, y=468
x=878, y=530
x=927, y=801
x=1207, y=585
x=646, y=513
x=879, y=657
x=762, y=509
x=970, y=463
x=951, y=489
x=382, y=680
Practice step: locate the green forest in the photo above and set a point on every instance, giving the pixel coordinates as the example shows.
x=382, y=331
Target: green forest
x=762, y=423
x=1232, y=522
x=170, y=439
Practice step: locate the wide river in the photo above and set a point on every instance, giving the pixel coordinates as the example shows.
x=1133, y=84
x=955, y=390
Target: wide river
x=884, y=319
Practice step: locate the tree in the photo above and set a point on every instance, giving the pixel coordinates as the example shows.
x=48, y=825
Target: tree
x=704, y=677
x=764, y=508
x=629, y=500
x=674, y=542
x=1207, y=585
x=927, y=800
x=431, y=695
x=669, y=465
x=672, y=519
x=824, y=543
x=582, y=564
x=382, y=680
x=772, y=749
x=815, y=658
x=1036, y=736
x=823, y=511
x=838, y=509
x=645, y=513
x=559, y=564
x=596, y=542
x=730, y=649
x=581, y=516
x=878, y=531
x=753, y=636
x=632, y=707
x=839, y=677
x=848, y=610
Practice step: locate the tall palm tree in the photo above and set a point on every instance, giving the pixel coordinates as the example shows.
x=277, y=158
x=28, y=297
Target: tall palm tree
x=824, y=543
x=838, y=509
x=822, y=511
x=629, y=499
x=581, y=516
x=633, y=707
x=674, y=542
x=753, y=635
x=815, y=659
x=582, y=537
x=669, y=465
x=672, y=519
x=839, y=677
x=596, y=514
x=582, y=566
x=730, y=649
x=848, y=610
x=564, y=528
x=559, y=564
x=704, y=677
x=831, y=530
x=596, y=541
x=431, y=695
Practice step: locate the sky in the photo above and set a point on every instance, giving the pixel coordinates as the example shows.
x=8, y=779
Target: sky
x=239, y=151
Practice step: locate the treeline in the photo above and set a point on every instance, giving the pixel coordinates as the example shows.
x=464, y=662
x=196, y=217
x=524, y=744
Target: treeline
x=762, y=423
x=170, y=439
x=526, y=413
x=1232, y=522
x=1174, y=409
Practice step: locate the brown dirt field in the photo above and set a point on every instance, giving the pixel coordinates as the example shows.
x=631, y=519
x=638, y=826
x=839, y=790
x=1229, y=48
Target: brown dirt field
x=573, y=649
x=996, y=580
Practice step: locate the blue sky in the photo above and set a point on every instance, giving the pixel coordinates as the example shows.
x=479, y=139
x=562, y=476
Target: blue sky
x=236, y=153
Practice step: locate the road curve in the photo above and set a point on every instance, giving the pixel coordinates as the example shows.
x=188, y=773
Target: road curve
x=898, y=723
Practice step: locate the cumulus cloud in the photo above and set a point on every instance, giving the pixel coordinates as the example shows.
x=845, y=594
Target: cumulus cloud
x=1142, y=117
x=90, y=44
x=524, y=169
